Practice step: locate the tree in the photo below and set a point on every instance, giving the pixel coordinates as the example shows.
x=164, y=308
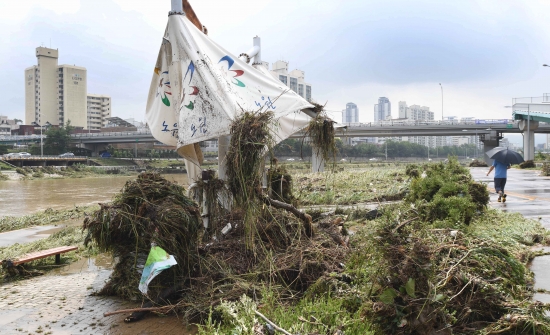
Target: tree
x=58, y=139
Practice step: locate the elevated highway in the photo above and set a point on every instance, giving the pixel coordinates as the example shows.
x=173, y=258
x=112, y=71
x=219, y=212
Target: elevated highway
x=370, y=129
x=489, y=131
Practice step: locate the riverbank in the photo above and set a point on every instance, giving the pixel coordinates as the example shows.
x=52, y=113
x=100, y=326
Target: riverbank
x=47, y=217
x=74, y=171
x=486, y=255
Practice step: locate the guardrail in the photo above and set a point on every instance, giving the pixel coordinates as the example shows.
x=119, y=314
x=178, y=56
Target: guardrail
x=121, y=167
x=113, y=134
x=39, y=158
x=409, y=123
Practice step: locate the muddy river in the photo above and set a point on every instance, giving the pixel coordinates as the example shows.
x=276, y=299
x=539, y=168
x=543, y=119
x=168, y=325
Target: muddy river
x=18, y=198
x=26, y=312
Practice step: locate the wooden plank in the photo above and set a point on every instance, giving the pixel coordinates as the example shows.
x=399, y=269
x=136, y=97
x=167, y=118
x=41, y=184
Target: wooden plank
x=43, y=253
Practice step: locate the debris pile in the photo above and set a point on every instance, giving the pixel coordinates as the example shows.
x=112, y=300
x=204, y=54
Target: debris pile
x=446, y=193
x=477, y=163
x=250, y=141
x=320, y=132
x=435, y=278
x=148, y=210
x=261, y=243
x=527, y=164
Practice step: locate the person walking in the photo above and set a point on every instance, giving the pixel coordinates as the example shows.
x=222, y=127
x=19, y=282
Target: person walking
x=501, y=171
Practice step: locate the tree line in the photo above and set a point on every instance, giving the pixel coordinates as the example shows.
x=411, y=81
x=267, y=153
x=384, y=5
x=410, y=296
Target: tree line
x=394, y=149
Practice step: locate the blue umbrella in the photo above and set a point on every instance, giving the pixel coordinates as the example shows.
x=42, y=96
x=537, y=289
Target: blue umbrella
x=505, y=155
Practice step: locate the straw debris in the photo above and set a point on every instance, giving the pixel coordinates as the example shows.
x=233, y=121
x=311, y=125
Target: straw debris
x=435, y=277
x=148, y=210
x=151, y=209
x=321, y=134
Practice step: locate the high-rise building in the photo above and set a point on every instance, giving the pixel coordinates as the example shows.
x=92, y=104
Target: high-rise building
x=57, y=93
x=418, y=113
x=98, y=110
x=351, y=113
x=382, y=110
x=295, y=79
x=402, y=109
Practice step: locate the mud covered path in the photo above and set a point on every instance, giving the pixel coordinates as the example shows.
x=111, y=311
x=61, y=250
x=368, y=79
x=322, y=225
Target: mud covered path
x=60, y=303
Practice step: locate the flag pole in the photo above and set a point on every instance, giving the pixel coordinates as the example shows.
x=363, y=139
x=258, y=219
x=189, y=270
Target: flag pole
x=177, y=7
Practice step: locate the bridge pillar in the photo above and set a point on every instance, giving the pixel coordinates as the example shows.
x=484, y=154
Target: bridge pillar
x=317, y=161
x=490, y=141
x=528, y=128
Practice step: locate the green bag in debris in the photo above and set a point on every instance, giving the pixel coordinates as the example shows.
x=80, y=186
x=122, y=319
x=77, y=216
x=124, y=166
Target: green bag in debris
x=157, y=261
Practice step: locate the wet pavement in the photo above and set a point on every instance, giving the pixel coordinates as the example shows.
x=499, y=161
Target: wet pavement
x=528, y=193
x=31, y=234
x=61, y=303
x=28, y=235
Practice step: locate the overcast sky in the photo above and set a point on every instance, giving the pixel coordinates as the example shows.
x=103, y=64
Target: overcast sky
x=484, y=52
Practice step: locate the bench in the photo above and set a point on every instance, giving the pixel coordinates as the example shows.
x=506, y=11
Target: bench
x=41, y=254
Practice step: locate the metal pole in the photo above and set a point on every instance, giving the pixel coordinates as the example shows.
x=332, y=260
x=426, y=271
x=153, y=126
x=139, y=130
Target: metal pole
x=177, y=6
x=41, y=144
x=257, y=43
x=528, y=132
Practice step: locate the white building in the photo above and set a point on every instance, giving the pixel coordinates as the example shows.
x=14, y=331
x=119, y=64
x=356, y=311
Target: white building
x=98, y=110
x=57, y=93
x=295, y=80
x=419, y=113
x=6, y=125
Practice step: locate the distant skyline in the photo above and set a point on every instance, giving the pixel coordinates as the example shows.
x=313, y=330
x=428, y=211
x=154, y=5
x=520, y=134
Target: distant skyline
x=483, y=52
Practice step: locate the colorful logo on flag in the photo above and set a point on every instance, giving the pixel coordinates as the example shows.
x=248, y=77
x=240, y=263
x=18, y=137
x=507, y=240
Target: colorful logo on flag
x=164, y=86
x=194, y=89
x=238, y=73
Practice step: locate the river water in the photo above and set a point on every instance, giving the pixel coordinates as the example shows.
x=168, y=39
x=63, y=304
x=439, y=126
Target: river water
x=18, y=198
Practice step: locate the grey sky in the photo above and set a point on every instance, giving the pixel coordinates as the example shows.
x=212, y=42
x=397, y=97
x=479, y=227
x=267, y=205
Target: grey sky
x=484, y=52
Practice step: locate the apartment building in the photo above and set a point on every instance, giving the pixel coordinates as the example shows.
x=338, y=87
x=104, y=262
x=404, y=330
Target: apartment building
x=98, y=111
x=419, y=113
x=382, y=110
x=295, y=79
x=59, y=93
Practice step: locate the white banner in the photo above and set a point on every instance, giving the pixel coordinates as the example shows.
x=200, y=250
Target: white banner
x=198, y=88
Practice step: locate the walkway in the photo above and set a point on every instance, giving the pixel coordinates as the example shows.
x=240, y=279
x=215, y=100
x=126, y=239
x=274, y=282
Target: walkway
x=528, y=194
x=60, y=303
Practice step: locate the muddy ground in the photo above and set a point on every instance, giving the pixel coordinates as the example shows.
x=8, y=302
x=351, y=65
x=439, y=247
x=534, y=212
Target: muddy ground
x=61, y=303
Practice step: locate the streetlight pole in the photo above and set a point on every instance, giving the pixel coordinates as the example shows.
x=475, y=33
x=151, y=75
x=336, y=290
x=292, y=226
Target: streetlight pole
x=41, y=141
x=441, y=101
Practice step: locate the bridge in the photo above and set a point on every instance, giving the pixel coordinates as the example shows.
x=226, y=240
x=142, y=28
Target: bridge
x=489, y=131
x=44, y=160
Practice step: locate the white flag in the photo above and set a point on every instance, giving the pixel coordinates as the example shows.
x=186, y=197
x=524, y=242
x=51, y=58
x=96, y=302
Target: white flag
x=199, y=88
